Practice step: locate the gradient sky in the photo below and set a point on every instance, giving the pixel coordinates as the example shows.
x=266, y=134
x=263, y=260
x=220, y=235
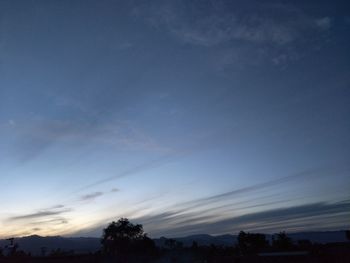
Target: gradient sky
x=185, y=116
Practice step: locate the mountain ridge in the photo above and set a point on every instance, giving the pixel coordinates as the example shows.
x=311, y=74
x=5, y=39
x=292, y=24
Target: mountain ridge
x=34, y=243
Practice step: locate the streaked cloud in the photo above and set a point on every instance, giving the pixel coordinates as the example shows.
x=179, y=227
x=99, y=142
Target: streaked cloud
x=257, y=207
x=33, y=137
x=41, y=214
x=254, y=33
x=323, y=23
x=281, y=219
x=198, y=108
x=91, y=196
x=221, y=23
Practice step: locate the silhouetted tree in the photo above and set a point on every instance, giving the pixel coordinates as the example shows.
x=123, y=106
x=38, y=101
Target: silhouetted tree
x=179, y=245
x=282, y=242
x=249, y=243
x=43, y=251
x=347, y=234
x=170, y=243
x=194, y=245
x=123, y=238
x=304, y=244
x=12, y=247
x=118, y=236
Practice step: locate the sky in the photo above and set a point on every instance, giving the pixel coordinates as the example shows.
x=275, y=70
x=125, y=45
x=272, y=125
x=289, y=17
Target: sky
x=187, y=117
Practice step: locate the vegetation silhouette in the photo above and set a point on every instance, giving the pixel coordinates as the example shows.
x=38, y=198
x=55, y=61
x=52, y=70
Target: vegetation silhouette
x=251, y=243
x=282, y=242
x=126, y=241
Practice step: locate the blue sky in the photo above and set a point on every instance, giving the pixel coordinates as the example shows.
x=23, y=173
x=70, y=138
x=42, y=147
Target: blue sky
x=185, y=116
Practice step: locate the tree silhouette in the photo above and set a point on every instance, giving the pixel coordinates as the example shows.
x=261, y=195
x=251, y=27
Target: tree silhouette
x=282, y=242
x=12, y=247
x=122, y=238
x=170, y=243
x=194, y=245
x=251, y=243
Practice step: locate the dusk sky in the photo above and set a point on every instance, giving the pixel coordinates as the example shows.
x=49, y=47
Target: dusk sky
x=185, y=116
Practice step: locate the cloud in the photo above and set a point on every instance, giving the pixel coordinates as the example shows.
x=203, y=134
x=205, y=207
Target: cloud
x=91, y=196
x=307, y=174
x=56, y=207
x=41, y=214
x=36, y=215
x=162, y=160
x=239, y=33
x=216, y=30
x=113, y=190
x=134, y=170
x=33, y=137
x=311, y=216
x=124, y=45
x=323, y=23
x=273, y=220
x=235, y=210
x=52, y=221
x=200, y=142
x=214, y=24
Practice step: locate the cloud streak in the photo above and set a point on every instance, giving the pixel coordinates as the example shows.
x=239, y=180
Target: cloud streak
x=34, y=136
x=246, y=32
x=221, y=22
x=41, y=214
x=308, y=174
x=92, y=196
x=271, y=220
x=231, y=211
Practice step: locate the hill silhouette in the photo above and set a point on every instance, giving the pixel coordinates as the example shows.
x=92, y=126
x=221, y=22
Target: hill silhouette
x=34, y=244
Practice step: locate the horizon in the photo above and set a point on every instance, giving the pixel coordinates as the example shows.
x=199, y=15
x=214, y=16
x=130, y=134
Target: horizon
x=186, y=117
x=176, y=237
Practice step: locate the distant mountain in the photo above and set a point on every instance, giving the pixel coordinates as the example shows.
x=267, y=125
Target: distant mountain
x=229, y=240
x=320, y=237
x=34, y=244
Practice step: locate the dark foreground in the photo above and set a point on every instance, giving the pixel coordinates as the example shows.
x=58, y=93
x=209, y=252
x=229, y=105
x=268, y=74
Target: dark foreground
x=329, y=253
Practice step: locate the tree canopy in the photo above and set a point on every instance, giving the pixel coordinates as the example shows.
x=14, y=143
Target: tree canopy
x=250, y=243
x=282, y=242
x=123, y=238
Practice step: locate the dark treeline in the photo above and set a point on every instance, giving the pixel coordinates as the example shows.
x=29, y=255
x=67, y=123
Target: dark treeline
x=125, y=242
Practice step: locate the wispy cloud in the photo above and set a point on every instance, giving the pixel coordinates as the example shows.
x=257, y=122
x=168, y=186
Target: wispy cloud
x=323, y=23
x=56, y=220
x=134, y=170
x=268, y=30
x=34, y=136
x=54, y=211
x=316, y=173
x=92, y=196
x=313, y=216
x=271, y=220
x=46, y=221
x=221, y=22
x=255, y=207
